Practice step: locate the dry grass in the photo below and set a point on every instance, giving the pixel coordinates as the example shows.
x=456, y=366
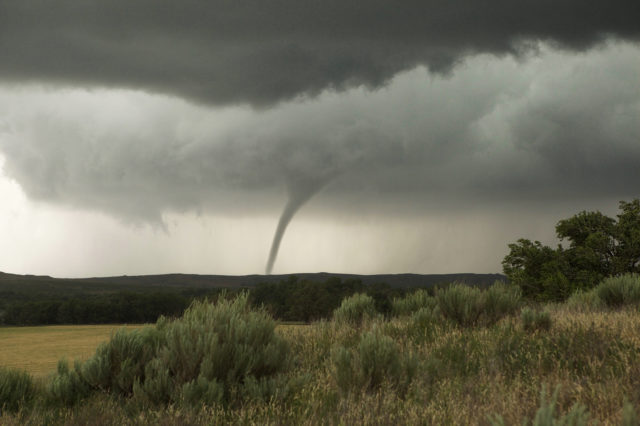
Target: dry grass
x=464, y=375
x=38, y=349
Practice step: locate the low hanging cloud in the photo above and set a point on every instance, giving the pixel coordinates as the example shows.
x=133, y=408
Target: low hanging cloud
x=261, y=53
x=549, y=126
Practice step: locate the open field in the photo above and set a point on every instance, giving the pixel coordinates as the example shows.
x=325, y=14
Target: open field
x=463, y=356
x=38, y=349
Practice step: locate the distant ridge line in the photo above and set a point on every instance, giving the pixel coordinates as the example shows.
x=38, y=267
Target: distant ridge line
x=180, y=280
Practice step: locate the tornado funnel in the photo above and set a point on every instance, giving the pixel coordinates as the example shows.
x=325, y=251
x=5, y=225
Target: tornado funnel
x=297, y=197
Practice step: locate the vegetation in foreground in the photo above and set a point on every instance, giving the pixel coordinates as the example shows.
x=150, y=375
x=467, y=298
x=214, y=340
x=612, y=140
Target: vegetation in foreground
x=460, y=356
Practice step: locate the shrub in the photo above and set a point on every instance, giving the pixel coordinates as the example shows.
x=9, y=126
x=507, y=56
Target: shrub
x=355, y=309
x=16, y=389
x=120, y=361
x=375, y=360
x=67, y=386
x=620, y=290
x=424, y=324
x=461, y=304
x=212, y=351
x=585, y=301
x=535, y=320
x=413, y=302
x=206, y=356
x=379, y=358
x=500, y=300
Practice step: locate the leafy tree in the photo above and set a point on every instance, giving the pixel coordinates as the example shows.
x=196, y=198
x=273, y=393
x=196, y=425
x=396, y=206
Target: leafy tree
x=628, y=236
x=598, y=247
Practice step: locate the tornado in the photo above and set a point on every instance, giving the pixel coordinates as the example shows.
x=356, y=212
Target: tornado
x=297, y=198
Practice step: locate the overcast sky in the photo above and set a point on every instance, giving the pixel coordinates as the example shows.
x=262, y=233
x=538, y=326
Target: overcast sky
x=410, y=136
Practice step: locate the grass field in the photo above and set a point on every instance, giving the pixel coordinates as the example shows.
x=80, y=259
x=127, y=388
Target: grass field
x=38, y=349
x=435, y=360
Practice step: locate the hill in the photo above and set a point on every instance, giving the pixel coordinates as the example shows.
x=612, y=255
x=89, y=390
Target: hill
x=99, y=285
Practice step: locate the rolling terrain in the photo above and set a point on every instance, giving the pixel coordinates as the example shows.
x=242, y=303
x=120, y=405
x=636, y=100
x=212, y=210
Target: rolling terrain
x=99, y=285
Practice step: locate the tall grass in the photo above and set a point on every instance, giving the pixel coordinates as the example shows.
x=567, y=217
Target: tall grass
x=225, y=363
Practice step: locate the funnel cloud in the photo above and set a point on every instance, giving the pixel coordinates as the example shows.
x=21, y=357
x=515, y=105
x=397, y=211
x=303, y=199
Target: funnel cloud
x=294, y=202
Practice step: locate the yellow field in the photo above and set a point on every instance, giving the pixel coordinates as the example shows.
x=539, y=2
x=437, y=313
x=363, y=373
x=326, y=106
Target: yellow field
x=38, y=349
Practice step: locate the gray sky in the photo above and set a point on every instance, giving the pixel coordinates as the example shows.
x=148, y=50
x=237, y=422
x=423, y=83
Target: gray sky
x=154, y=137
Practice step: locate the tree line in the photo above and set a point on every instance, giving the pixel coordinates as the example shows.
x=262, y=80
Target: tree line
x=287, y=300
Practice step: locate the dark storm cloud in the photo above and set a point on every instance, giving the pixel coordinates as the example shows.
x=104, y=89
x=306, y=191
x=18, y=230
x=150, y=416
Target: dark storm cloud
x=554, y=125
x=261, y=52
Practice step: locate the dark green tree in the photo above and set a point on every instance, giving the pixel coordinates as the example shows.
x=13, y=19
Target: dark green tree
x=598, y=247
x=628, y=236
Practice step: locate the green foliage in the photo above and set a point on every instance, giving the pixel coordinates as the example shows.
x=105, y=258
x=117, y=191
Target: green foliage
x=461, y=304
x=535, y=320
x=585, y=300
x=620, y=290
x=304, y=300
x=213, y=347
x=67, y=386
x=500, y=300
x=202, y=391
x=628, y=238
x=355, y=309
x=470, y=306
x=379, y=358
x=413, y=302
x=207, y=355
x=16, y=389
x=424, y=324
x=536, y=269
x=598, y=247
x=376, y=360
x=120, y=361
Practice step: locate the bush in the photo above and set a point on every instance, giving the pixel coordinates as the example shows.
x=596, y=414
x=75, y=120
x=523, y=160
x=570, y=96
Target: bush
x=424, y=324
x=376, y=360
x=620, y=290
x=16, y=389
x=206, y=356
x=355, y=309
x=379, y=359
x=67, y=386
x=120, y=361
x=413, y=302
x=212, y=351
x=501, y=300
x=585, y=301
x=461, y=304
x=534, y=320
